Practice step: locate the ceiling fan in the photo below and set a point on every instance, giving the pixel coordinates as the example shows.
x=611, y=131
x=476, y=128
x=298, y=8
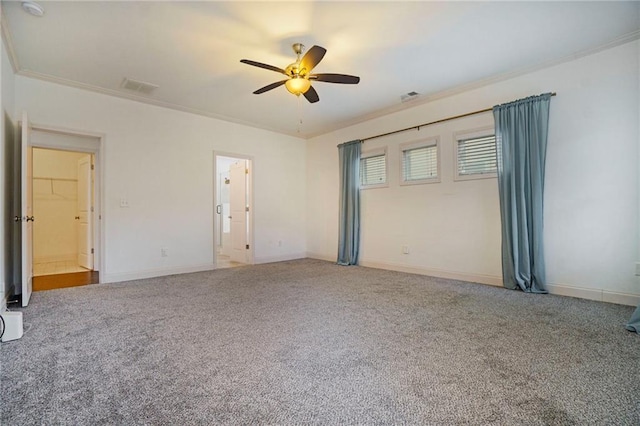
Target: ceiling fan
x=299, y=75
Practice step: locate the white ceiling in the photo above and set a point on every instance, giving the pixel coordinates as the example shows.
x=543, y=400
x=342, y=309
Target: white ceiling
x=192, y=50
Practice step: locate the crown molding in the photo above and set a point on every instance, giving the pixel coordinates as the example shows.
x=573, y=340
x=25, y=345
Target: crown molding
x=627, y=38
x=8, y=42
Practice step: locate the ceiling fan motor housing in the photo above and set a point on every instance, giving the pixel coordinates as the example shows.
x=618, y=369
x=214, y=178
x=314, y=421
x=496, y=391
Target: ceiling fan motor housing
x=298, y=48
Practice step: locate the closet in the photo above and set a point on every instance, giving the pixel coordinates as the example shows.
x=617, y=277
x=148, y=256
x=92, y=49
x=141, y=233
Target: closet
x=57, y=232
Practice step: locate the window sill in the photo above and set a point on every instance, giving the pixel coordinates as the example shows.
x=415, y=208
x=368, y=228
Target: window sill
x=461, y=178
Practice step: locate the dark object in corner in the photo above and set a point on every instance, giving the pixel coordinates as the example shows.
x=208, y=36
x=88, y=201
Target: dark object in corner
x=14, y=299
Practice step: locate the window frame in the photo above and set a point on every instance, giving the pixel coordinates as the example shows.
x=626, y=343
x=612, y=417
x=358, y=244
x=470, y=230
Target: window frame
x=422, y=143
x=465, y=135
x=376, y=153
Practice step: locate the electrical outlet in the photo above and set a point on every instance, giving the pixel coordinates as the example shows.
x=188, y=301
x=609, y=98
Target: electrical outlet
x=638, y=268
x=124, y=202
x=164, y=252
x=405, y=249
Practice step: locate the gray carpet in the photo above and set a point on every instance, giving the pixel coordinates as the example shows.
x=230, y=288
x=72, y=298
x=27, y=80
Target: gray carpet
x=309, y=342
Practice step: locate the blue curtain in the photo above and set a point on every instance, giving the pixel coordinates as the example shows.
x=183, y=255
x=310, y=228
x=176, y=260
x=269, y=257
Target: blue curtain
x=349, y=230
x=521, y=140
x=634, y=322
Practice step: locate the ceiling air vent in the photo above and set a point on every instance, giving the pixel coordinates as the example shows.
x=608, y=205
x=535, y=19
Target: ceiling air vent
x=409, y=96
x=32, y=8
x=138, y=86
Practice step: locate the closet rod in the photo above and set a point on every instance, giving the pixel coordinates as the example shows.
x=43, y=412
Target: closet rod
x=52, y=179
x=432, y=122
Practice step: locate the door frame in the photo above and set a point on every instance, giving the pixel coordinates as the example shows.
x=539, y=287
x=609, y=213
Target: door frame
x=251, y=236
x=99, y=259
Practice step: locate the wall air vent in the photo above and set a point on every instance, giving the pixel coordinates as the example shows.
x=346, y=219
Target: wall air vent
x=409, y=96
x=138, y=86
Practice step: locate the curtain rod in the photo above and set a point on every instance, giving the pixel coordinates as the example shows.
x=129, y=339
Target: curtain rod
x=432, y=122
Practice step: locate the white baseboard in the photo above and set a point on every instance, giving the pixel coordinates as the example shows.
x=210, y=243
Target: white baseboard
x=597, y=294
x=461, y=276
x=440, y=273
x=151, y=273
x=279, y=258
x=319, y=256
x=600, y=295
x=621, y=298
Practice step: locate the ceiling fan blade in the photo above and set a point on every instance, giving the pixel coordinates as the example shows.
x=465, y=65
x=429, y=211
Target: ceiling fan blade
x=312, y=58
x=269, y=87
x=335, y=78
x=312, y=95
x=261, y=65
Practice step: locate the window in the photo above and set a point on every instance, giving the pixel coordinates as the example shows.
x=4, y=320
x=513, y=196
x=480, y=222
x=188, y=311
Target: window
x=420, y=162
x=476, y=156
x=373, y=169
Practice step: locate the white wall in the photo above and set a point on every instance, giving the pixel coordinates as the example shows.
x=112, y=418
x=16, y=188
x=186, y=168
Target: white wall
x=161, y=161
x=453, y=228
x=6, y=153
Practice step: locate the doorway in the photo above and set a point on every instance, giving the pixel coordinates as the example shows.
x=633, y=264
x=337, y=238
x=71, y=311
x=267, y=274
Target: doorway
x=233, y=224
x=65, y=198
x=62, y=202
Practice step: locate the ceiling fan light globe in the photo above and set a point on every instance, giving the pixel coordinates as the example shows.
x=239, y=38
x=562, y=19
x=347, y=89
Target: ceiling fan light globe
x=297, y=85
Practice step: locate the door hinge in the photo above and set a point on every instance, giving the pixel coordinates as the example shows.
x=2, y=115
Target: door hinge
x=246, y=171
x=91, y=209
x=247, y=208
x=247, y=246
x=91, y=251
x=92, y=167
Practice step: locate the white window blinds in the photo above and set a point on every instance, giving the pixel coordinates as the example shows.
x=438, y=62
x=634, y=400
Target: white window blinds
x=420, y=163
x=477, y=156
x=373, y=170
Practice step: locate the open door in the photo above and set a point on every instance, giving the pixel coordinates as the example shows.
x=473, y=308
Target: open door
x=26, y=191
x=85, y=214
x=238, y=201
